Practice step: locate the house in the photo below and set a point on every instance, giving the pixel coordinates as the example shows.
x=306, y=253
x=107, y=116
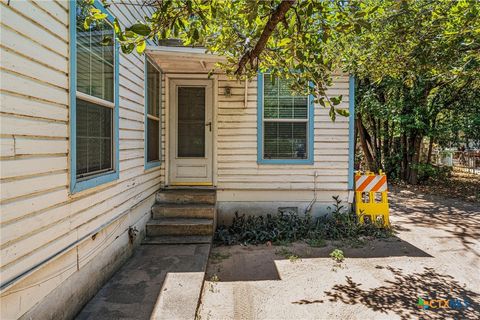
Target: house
x=89, y=136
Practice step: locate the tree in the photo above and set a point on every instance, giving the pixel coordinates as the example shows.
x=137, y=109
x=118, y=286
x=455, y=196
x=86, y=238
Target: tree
x=414, y=64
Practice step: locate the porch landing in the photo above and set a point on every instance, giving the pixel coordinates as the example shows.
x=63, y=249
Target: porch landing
x=158, y=282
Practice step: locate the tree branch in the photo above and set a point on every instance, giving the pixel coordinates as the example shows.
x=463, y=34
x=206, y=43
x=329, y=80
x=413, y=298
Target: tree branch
x=277, y=16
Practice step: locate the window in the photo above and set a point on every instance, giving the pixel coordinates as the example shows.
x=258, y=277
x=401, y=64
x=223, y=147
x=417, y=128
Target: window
x=285, y=123
x=94, y=101
x=152, y=114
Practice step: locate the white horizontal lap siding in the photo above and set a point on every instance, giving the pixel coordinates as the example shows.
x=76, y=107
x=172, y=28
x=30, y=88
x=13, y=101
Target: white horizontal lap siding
x=39, y=217
x=237, y=145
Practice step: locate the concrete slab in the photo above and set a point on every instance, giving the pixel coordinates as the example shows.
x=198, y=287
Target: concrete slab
x=171, y=274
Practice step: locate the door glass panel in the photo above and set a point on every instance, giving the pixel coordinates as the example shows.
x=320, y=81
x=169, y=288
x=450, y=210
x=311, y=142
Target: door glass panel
x=191, y=122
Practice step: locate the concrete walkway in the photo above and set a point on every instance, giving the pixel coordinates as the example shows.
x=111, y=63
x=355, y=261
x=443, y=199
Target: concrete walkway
x=159, y=282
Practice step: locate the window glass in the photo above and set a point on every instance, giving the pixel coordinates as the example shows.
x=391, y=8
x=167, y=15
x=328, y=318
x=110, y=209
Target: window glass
x=153, y=112
x=95, y=61
x=153, y=140
x=94, y=138
x=285, y=121
x=153, y=88
x=94, y=107
x=191, y=122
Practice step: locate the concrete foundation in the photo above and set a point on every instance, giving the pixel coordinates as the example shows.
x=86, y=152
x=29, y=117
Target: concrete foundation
x=226, y=210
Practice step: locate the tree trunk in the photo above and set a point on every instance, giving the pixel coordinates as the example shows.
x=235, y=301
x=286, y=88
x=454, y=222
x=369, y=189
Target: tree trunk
x=363, y=135
x=386, y=142
x=430, y=150
x=430, y=144
x=413, y=172
x=404, y=151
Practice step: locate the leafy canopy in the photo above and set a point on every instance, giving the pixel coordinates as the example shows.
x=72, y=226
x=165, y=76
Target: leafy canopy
x=291, y=39
x=307, y=40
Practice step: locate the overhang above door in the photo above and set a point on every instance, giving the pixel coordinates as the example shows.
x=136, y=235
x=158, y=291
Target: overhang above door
x=183, y=59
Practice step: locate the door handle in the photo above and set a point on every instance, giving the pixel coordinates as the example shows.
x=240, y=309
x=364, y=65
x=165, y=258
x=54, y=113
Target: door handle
x=209, y=125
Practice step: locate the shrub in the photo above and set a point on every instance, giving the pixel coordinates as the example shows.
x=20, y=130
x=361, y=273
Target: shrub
x=428, y=172
x=339, y=224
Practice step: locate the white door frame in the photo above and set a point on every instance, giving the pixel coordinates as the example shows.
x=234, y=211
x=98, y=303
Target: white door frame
x=177, y=79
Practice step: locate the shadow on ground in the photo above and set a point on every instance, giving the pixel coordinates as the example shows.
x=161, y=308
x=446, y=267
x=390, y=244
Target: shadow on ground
x=461, y=220
x=256, y=263
x=398, y=295
x=133, y=291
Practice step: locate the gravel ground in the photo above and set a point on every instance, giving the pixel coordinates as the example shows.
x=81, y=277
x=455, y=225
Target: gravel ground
x=434, y=255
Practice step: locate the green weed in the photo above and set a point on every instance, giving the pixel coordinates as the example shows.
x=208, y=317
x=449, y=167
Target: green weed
x=317, y=243
x=217, y=257
x=337, y=255
x=284, y=228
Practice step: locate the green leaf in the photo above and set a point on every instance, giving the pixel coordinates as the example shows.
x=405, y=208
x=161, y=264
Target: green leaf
x=99, y=16
x=342, y=112
x=87, y=22
x=336, y=100
x=141, y=46
x=106, y=41
x=284, y=42
x=140, y=28
x=195, y=35
x=116, y=26
x=332, y=113
x=130, y=34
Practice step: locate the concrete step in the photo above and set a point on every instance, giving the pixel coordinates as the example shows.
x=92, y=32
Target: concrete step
x=172, y=210
x=180, y=196
x=178, y=240
x=179, y=227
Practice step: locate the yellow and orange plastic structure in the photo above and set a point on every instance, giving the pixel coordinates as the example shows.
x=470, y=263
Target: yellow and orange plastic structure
x=371, y=199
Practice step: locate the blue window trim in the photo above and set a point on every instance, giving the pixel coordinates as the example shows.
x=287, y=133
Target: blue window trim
x=310, y=130
x=156, y=163
x=351, y=130
x=75, y=185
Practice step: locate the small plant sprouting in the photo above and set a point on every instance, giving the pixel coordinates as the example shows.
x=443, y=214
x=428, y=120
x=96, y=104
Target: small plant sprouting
x=337, y=255
x=284, y=252
x=217, y=257
x=317, y=243
x=213, y=280
x=287, y=254
x=293, y=258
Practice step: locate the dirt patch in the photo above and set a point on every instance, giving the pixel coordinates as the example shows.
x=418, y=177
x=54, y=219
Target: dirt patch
x=460, y=185
x=252, y=263
x=434, y=255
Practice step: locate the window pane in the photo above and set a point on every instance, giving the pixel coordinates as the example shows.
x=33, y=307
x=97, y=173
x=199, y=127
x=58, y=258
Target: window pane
x=280, y=102
x=285, y=140
x=153, y=90
x=95, y=72
x=191, y=122
x=285, y=105
x=153, y=140
x=300, y=105
x=94, y=138
x=270, y=106
x=270, y=86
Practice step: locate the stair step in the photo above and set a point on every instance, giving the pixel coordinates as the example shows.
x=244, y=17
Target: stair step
x=179, y=227
x=171, y=210
x=177, y=240
x=186, y=196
